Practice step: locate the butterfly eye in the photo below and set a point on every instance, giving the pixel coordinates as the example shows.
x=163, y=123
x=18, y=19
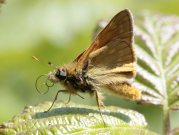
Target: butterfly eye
x=61, y=74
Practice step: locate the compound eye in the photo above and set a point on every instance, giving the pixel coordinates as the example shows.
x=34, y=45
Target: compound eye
x=61, y=74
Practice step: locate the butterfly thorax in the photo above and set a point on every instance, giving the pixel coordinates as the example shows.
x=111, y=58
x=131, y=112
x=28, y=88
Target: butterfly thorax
x=78, y=82
x=73, y=80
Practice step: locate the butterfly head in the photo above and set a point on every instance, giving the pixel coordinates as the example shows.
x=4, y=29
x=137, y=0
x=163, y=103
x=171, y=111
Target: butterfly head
x=59, y=74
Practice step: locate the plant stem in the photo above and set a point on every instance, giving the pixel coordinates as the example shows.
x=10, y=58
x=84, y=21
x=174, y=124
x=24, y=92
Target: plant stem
x=166, y=120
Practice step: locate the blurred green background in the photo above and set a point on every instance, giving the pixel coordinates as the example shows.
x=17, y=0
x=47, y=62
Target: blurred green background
x=57, y=31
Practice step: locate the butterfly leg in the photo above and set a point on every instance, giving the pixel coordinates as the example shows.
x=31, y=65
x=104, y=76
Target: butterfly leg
x=99, y=104
x=68, y=99
x=56, y=98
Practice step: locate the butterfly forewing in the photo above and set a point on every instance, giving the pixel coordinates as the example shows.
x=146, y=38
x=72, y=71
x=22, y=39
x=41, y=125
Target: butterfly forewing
x=120, y=27
x=114, y=42
x=115, y=54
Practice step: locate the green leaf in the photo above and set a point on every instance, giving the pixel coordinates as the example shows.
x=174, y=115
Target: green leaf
x=75, y=119
x=157, y=48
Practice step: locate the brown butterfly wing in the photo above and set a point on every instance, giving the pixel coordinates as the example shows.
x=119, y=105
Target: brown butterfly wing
x=111, y=41
x=111, y=58
x=120, y=27
x=115, y=54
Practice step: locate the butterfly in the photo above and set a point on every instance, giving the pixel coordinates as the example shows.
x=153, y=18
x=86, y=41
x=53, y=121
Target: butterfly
x=109, y=62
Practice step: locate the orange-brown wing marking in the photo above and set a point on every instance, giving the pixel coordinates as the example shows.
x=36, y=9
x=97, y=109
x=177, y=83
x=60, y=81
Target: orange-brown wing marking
x=125, y=90
x=119, y=28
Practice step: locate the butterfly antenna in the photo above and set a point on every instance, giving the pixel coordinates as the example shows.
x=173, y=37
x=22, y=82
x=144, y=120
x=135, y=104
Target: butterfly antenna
x=49, y=64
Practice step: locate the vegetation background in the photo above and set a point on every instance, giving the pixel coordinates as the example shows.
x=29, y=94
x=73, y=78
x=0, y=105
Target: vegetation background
x=58, y=31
